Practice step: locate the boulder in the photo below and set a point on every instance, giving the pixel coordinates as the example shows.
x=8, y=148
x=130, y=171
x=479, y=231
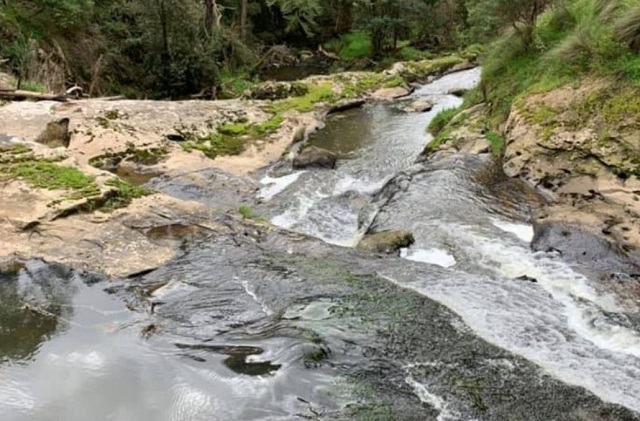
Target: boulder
x=466, y=65
x=419, y=107
x=56, y=134
x=459, y=92
x=386, y=241
x=391, y=93
x=276, y=90
x=314, y=157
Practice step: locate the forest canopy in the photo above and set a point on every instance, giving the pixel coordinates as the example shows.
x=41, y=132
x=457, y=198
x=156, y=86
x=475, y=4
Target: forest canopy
x=172, y=48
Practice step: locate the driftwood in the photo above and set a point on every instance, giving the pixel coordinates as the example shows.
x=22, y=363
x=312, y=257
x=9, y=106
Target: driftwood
x=326, y=53
x=276, y=56
x=18, y=95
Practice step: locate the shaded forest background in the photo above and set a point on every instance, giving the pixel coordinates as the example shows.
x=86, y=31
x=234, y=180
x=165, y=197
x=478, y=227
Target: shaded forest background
x=176, y=48
x=172, y=48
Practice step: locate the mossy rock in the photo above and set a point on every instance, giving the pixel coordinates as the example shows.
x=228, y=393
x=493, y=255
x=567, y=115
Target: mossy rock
x=314, y=157
x=387, y=242
x=276, y=90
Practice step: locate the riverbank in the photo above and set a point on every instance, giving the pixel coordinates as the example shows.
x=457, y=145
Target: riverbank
x=71, y=170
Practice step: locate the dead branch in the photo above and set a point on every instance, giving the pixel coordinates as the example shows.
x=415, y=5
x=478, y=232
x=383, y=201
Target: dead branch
x=22, y=95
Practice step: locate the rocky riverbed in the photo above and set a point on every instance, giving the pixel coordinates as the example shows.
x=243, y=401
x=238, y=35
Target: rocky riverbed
x=191, y=249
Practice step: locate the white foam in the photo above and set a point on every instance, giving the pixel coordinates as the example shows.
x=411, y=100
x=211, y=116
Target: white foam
x=431, y=399
x=274, y=186
x=432, y=256
x=561, y=322
x=522, y=231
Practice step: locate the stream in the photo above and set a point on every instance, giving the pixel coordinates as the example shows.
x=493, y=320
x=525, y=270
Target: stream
x=255, y=323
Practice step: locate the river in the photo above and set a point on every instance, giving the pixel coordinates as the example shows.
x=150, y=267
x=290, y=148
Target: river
x=255, y=323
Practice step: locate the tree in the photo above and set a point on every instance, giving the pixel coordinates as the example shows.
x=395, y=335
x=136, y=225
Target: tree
x=522, y=15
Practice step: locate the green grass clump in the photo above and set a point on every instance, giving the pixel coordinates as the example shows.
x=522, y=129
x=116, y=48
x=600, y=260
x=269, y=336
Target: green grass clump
x=233, y=85
x=496, y=141
x=246, y=212
x=441, y=120
x=322, y=92
x=583, y=37
x=122, y=194
x=32, y=86
x=51, y=176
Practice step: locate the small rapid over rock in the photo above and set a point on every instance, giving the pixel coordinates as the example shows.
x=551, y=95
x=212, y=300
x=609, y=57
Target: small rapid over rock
x=454, y=318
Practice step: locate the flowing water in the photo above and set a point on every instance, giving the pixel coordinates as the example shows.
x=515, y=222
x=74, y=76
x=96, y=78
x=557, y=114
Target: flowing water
x=252, y=323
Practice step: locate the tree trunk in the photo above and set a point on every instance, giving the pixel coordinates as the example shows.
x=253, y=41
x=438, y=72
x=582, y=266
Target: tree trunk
x=243, y=19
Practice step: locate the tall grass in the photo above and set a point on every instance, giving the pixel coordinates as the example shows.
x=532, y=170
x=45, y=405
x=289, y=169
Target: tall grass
x=576, y=38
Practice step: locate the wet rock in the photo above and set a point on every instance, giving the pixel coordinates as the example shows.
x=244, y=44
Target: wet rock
x=576, y=244
x=459, y=92
x=467, y=65
x=347, y=104
x=276, y=90
x=419, y=107
x=526, y=278
x=56, y=134
x=391, y=93
x=386, y=241
x=314, y=157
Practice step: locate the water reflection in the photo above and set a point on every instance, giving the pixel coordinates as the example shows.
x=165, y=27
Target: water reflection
x=34, y=307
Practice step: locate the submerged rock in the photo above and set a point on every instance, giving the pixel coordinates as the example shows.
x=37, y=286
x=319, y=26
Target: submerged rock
x=386, y=241
x=56, y=134
x=419, y=107
x=314, y=157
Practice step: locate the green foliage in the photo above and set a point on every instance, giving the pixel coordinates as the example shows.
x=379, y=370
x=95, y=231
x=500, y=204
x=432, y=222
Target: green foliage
x=33, y=86
x=576, y=39
x=351, y=46
x=441, y=120
x=411, y=54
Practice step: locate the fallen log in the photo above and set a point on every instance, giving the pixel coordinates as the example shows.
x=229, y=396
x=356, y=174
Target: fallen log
x=18, y=95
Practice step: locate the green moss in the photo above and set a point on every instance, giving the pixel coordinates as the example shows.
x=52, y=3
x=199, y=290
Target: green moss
x=112, y=114
x=269, y=126
x=425, y=68
x=235, y=129
x=144, y=156
x=215, y=145
x=322, y=92
x=51, y=176
x=231, y=138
